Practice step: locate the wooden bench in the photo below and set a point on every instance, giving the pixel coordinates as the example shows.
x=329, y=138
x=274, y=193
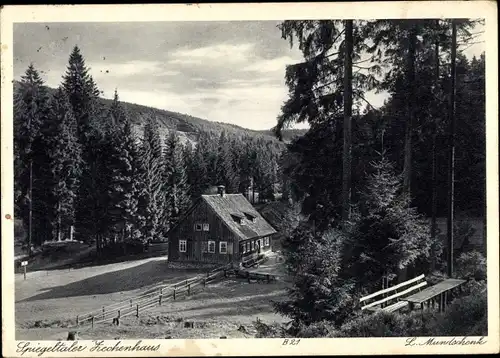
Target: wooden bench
x=391, y=298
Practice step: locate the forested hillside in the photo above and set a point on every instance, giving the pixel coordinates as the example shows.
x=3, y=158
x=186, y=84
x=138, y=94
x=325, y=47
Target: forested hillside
x=116, y=170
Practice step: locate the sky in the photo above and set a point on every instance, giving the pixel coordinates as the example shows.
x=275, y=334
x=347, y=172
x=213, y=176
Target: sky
x=229, y=72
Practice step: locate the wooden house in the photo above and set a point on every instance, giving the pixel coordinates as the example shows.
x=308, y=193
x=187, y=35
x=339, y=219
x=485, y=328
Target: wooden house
x=220, y=228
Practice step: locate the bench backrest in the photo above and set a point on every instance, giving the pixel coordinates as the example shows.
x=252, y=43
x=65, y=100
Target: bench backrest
x=394, y=292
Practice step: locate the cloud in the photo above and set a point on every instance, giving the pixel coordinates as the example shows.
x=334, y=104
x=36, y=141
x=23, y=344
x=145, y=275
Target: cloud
x=130, y=68
x=219, y=52
x=272, y=65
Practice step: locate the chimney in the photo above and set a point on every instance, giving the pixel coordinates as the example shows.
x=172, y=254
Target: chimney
x=221, y=190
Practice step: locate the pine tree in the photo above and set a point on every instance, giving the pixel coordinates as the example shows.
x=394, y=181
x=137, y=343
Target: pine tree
x=65, y=162
x=151, y=205
x=318, y=292
x=389, y=235
x=81, y=91
x=83, y=94
x=176, y=186
x=121, y=202
x=198, y=178
x=30, y=111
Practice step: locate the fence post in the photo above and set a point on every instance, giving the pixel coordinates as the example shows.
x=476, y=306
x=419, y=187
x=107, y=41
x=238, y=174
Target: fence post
x=77, y=321
x=103, y=312
x=92, y=320
x=137, y=310
x=174, y=294
x=204, y=282
x=189, y=289
x=225, y=274
x=159, y=300
x=268, y=278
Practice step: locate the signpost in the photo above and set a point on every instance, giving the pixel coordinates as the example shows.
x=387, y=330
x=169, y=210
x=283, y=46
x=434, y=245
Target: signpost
x=24, y=264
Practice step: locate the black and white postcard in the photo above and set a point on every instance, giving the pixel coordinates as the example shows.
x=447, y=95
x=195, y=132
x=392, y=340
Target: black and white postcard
x=249, y=179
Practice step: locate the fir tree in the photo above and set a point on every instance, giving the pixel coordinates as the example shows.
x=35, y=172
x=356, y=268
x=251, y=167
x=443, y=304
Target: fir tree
x=389, y=235
x=81, y=91
x=83, y=94
x=30, y=111
x=151, y=203
x=318, y=292
x=198, y=178
x=121, y=202
x=65, y=162
x=176, y=186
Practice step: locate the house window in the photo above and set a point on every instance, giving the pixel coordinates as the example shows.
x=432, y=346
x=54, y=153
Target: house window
x=243, y=248
x=266, y=241
x=198, y=227
x=250, y=217
x=248, y=247
x=204, y=246
x=182, y=245
x=237, y=218
x=253, y=245
x=223, y=247
x=206, y=227
x=211, y=247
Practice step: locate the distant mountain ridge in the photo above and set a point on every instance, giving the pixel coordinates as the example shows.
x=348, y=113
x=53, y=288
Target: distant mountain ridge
x=188, y=127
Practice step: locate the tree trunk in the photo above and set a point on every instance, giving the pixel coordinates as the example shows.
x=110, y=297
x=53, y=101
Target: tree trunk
x=410, y=92
x=434, y=154
x=451, y=157
x=59, y=221
x=347, y=150
x=30, y=214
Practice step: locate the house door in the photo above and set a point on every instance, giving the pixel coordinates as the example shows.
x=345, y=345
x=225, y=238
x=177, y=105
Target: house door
x=190, y=250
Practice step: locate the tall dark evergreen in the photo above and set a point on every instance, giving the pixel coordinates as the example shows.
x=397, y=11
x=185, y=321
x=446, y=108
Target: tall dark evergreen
x=389, y=234
x=81, y=91
x=83, y=94
x=60, y=137
x=121, y=201
x=316, y=95
x=176, y=188
x=152, y=204
x=225, y=171
x=30, y=111
x=198, y=178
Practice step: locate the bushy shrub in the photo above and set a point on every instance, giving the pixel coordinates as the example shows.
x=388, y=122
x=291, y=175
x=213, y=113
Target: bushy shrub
x=317, y=330
x=471, y=265
x=463, y=231
x=273, y=330
x=463, y=317
x=382, y=324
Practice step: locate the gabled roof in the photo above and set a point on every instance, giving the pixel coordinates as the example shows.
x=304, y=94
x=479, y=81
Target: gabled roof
x=231, y=205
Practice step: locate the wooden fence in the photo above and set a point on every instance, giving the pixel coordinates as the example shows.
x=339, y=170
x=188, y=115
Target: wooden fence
x=264, y=277
x=146, y=301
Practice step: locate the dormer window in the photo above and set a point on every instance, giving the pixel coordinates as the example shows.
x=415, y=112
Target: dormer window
x=237, y=217
x=250, y=217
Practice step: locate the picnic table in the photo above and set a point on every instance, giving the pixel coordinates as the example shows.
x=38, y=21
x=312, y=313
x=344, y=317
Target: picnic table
x=439, y=291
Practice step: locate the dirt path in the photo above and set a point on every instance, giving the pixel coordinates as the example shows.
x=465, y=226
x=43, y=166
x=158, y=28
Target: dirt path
x=47, y=305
